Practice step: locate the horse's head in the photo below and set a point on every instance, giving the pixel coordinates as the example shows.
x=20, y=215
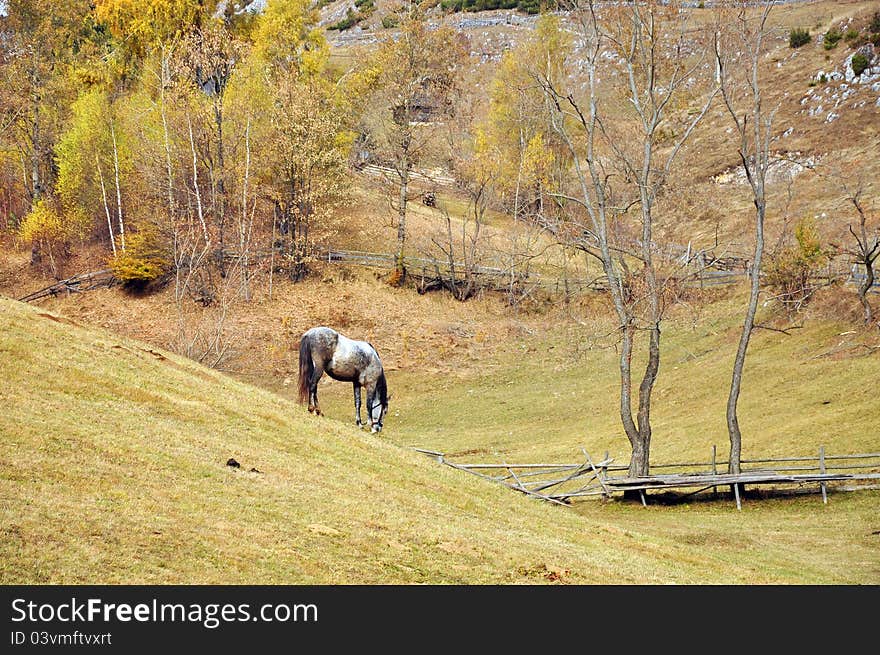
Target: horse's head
x=377, y=415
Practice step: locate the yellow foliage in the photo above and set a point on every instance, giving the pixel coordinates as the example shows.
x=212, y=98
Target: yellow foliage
x=144, y=260
x=537, y=160
x=790, y=271
x=42, y=224
x=287, y=35
x=142, y=23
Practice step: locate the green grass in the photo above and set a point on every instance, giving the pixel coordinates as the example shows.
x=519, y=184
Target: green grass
x=113, y=471
x=552, y=394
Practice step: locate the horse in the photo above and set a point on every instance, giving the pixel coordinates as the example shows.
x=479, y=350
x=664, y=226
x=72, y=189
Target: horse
x=322, y=349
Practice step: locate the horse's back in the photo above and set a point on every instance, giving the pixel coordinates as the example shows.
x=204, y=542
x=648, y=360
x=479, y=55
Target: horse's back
x=322, y=338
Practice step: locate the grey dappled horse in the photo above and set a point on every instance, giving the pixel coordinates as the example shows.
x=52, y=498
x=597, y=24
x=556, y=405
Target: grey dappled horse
x=324, y=350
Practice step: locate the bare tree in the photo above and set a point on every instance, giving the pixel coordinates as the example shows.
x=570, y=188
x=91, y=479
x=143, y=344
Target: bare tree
x=208, y=57
x=867, y=245
x=746, y=31
x=622, y=159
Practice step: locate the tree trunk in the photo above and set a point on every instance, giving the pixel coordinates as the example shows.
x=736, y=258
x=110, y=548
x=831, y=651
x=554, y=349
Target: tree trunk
x=636, y=466
x=644, y=416
x=106, y=206
x=401, y=222
x=220, y=207
x=118, y=190
x=865, y=287
x=733, y=429
x=195, y=182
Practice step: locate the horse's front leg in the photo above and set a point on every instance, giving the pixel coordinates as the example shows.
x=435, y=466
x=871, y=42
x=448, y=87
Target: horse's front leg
x=371, y=399
x=357, y=405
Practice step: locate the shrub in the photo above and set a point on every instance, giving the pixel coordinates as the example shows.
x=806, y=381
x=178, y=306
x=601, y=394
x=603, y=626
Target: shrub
x=390, y=21
x=854, y=38
x=350, y=19
x=831, y=39
x=859, y=63
x=798, y=37
x=42, y=223
x=792, y=270
x=45, y=232
x=525, y=6
x=874, y=27
x=145, y=258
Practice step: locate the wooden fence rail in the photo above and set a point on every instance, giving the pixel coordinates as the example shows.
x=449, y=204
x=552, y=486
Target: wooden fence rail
x=75, y=284
x=559, y=483
x=436, y=271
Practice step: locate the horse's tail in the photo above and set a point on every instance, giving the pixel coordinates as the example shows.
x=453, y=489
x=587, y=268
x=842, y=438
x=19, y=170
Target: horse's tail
x=306, y=367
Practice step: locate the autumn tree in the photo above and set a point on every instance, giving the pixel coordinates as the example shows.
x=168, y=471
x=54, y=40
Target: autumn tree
x=45, y=230
x=38, y=48
x=91, y=169
x=415, y=78
x=519, y=144
x=303, y=164
x=206, y=59
x=864, y=242
x=139, y=26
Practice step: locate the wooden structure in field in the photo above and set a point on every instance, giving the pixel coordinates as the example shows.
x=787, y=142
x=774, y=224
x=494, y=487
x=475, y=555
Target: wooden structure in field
x=75, y=284
x=560, y=483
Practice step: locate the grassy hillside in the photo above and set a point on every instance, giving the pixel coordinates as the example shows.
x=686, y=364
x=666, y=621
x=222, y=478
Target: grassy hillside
x=553, y=393
x=113, y=470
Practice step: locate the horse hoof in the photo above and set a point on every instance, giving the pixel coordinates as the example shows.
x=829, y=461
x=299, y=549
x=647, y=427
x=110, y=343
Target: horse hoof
x=311, y=409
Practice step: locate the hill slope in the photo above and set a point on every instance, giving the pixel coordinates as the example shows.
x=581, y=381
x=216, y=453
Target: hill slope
x=113, y=470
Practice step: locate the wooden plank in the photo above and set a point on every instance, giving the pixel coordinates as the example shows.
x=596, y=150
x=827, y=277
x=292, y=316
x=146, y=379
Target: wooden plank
x=529, y=492
x=598, y=477
x=546, y=484
x=599, y=483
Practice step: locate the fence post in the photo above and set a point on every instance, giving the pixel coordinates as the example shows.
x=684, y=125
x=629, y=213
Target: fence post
x=822, y=471
x=714, y=472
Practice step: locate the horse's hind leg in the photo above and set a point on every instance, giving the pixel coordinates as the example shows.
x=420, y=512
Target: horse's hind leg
x=313, y=390
x=357, y=404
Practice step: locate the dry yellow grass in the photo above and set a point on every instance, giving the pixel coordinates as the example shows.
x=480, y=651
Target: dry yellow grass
x=113, y=457
x=114, y=471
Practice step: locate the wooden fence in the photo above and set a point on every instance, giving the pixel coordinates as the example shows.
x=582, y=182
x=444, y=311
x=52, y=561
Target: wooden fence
x=437, y=270
x=560, y=483
x=695, y=272
x=75, y=284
